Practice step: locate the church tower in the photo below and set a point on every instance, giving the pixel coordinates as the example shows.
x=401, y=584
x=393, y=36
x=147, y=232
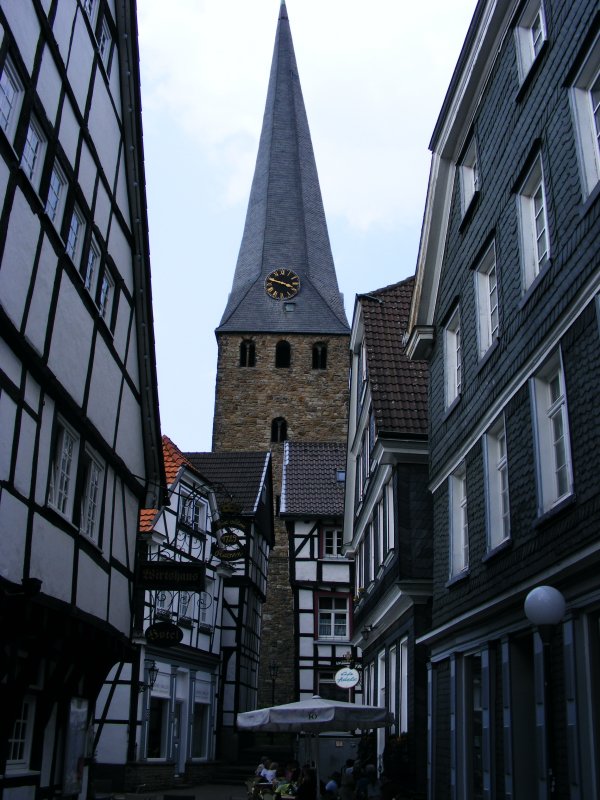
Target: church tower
x=282, y=371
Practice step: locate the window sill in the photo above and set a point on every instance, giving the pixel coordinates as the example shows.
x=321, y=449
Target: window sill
x=487, y=355
x=531, y=289
x=469, y=210
x=450, y=409
x=556, y=510
x=590, y=200
x=19, y=772
x=498, y=550
x=458, y=578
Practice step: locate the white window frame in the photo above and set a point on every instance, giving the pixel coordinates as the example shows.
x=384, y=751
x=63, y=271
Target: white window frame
x=333, y=540
x=585, y=104
x=497, y=486
x=330, y=618
x=89, y=6
x=34, y=150
x=530, y=35
x=105, y=42
x=91, y=500
x=459, y=524
x=194, y=511
x=75, y=234
x=469, y=176
x=56, y=195
x=106, y=295
x=19, y=741
x=552, y=437
x=92, y=267
x=486, y=291
x=63, y=470
x=11, y=97
x=533, y=217
x=453, y=358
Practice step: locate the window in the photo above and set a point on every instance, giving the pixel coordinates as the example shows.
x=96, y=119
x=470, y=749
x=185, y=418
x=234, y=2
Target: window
x=459, y=529
x=585, y=102
x=89, y=6
x=91, y=267
x=90, y=511
x=496, y=464
x=19, y=740
x=453, y=358
x=163, y=603
x=530, y=36
x=56, y=194
x=332, y=541
x=194, y=512
x=158, y=723
x=62, y=470
x=200, y=730
x=486, y=280
x=205, y=603
x=105, y=44
x=333, y=617
x=105, y=296
x=33, y=153
x=185, y=604
x=319, y=356
x=283, y=354
x=469, y=176
x=279, y=430
x=75, y=234
x=553, y=453
x=11, y=94
x=247, y=353
x=533, y=215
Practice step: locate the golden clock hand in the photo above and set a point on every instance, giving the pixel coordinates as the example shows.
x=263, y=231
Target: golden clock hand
x=288, y=285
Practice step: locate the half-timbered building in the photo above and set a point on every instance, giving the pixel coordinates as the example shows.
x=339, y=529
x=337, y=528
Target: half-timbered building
x=506, y=308
x=388, y=526
x=79, y=427
x=156, y=718
x=243, y=539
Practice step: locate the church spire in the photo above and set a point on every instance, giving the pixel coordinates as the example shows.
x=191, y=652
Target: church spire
x=285, y=222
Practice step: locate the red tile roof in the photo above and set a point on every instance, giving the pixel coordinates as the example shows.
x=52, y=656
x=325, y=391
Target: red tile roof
x=398, y=385
x=174, y=460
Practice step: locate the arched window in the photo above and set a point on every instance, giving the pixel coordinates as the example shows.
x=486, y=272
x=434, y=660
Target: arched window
x=247, y=353
x=278, y=430
x=283, y=354
x=319, y=355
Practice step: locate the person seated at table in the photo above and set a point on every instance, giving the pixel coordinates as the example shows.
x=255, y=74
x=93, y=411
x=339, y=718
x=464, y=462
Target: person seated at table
x=270, y=773
x=307, y=785
x=263, y=764
x=332, y=786
x=292, y=771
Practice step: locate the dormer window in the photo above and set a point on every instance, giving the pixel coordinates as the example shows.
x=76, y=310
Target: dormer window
x=194, y=512
x=283, y=354
x=247, y=353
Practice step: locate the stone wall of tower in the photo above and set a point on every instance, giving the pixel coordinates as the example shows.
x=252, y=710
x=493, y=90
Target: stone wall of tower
x=314, y=403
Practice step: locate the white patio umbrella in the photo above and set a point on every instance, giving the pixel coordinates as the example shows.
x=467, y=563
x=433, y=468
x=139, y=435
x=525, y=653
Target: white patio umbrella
x=314, y=715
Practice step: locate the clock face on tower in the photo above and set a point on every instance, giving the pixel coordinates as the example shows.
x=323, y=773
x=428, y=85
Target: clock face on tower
x=281, y=284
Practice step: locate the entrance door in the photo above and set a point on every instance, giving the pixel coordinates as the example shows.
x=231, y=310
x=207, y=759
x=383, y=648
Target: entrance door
x=179, y=738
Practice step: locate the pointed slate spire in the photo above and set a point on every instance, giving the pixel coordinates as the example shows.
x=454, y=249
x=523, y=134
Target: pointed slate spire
x=285, y=222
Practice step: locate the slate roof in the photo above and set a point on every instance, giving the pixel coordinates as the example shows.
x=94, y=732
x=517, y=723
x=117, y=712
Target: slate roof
x=398, y=385
x=309, y=486
x=285, y=221
x=237, y=477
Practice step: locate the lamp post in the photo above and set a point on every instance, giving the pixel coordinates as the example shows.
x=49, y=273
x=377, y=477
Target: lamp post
x=545, y=608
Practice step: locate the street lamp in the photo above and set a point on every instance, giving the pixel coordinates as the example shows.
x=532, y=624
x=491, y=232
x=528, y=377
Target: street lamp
x=545, y=607
x=273, y=672
x=152, y=676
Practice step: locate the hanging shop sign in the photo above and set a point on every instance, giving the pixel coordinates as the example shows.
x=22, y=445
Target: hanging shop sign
x=163, y=634
x=347, y=678
x=172, y=575
x=230, y=537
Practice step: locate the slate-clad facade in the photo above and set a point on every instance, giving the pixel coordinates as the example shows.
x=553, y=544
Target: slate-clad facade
x=506, y=310
x=388, y=526
x=282, y=340
x=79, y=425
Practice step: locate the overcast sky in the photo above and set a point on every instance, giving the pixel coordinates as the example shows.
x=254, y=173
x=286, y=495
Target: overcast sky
x=373, y=76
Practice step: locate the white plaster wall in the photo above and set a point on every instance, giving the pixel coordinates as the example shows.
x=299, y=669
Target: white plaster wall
x=119, y=614
x=306, y=646
x=69, y=131
x=49, y=85
x=25, y=454
x=104, y=391
x=37, y=318
x=13, y=518
x=335, y=572
x=121, y=193
x=92, y=587
x=104, y=129
x=81, y=59
x=87, y=174
x=8, y=411
x=51, y=559
x=119, y=248
x=306, y=570
x=17, y=260
x=70, y=350
x=4, y=175
x=102, y=210
x=63, y=22
x=129, y=436
x=22, y=20
x=32, y=391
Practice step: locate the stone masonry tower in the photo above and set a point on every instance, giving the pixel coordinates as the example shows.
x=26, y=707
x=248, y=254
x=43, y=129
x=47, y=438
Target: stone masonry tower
x=283, y=338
